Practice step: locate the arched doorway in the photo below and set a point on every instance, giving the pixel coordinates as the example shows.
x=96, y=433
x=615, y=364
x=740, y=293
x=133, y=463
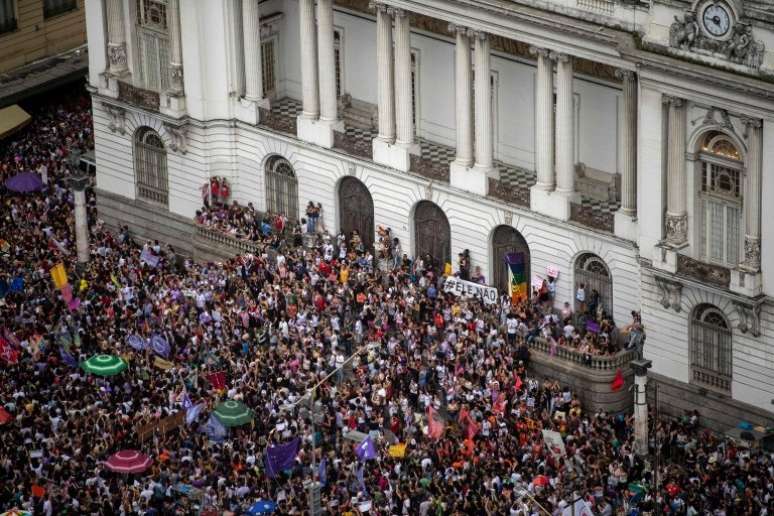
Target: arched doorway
x=506, y=239
x=356, y=210
x=592, y=272
x=431, y=233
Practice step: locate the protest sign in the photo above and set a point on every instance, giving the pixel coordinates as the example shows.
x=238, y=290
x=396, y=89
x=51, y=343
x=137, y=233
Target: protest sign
x=460, y=287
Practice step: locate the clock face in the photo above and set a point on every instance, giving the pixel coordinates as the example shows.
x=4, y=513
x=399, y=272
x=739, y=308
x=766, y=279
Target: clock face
x=716, y=20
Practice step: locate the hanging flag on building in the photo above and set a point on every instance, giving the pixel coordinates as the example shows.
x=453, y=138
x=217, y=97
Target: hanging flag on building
x=618, y=381
x=517, y=277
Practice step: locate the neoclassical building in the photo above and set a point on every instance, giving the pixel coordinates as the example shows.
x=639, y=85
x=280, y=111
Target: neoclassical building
x=626, y=145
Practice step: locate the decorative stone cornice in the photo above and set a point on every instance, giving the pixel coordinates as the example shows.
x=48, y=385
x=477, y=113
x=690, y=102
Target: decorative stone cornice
x=671, y=293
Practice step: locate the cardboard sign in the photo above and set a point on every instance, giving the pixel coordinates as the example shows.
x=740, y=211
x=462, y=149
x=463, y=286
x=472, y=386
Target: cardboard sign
x=554, y=443
x=552, y=271
x=460, y=287
x=164, y=426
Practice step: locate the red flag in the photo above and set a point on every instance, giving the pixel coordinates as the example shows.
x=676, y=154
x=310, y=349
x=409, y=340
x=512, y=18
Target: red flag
x=434, y=425
x=217, y=380
x=7, y=352
x=618, y=381
x=519, y=383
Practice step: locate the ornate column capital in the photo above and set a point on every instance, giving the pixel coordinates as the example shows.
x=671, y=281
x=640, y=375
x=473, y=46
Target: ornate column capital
x=480, y=35
x=560, y=57
x=752, y=123
x=539, y=52
x=461, y=29
x=625, y=75
x=673, y=101
x=379, y=6
x=752, y=253
x=399, y=13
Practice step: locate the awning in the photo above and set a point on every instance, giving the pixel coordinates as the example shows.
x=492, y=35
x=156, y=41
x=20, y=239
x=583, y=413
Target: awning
x=12, y=118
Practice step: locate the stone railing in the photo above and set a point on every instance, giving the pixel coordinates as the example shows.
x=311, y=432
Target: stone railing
x=429, y=169
x=138, y=96
x=597, y=362
x=216, y=237
x=510, y=194
x=703, y=272
x=587, y=217
x=277, y=122
x=355, y=146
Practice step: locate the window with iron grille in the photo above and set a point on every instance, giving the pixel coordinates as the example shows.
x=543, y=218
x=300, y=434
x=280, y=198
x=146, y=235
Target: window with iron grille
x=337, y=57
x=153, y=44
x=720, y=199
x=150, y=166
x=281, y=187
x=7, y=16
x=711, y=350
x=55, y=7
x=269, y=64
x=592, y=272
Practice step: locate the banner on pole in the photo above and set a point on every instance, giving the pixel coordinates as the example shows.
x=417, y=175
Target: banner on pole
x=517, y=277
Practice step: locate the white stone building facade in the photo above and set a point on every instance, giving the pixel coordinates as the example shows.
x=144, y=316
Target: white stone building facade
x=628, y=145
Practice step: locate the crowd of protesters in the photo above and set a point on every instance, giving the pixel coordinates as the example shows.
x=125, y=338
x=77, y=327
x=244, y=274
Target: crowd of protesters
x=439, y=386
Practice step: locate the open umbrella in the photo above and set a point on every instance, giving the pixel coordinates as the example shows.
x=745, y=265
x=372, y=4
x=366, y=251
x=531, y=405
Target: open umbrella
x=16, y=512
x=5, y=416
x=540, y=480
x=262, y=507
x=128, y=461
x=24, y=182
x=233, y=413
x=104, y=365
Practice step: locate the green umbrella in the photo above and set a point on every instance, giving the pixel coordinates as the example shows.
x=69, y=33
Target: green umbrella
x=233, y=413
x=104, y=365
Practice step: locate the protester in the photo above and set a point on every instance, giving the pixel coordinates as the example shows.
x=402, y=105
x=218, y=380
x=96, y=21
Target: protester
x=423, y=402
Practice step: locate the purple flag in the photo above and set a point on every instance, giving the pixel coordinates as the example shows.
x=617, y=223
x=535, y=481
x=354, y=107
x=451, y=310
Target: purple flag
x=322, y=471
x=281, y=457
x=160, y=345
x=366, y=450
x=67, y=358
x=361, y=479
x=136, y=342
x=592, y=326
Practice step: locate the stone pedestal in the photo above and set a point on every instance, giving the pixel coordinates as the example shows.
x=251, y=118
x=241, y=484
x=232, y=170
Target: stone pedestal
x=625, y=226
x=392, y=155
x=665, y=258
x=468, y=178
x=552, y=203
x=317, y=132
x=746, y=282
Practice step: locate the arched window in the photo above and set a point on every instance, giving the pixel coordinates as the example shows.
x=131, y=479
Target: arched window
x=711, y=349
x=593, y=274
x=281, y=187
x=150, y=166
x=720, y=200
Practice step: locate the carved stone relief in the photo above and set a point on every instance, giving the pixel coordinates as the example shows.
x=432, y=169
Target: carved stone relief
x=741, y=48
x=749, y=318
x=671, y=293
x=117, y=116
x=178, y=137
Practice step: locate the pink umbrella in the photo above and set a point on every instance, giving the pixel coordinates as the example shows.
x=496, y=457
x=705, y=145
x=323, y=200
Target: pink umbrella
x=541, y=480
x=128, y=461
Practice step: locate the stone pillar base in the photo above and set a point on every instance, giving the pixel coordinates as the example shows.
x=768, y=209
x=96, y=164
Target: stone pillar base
x=317, y=132
x=172, y=105
x=467, y=178
x=552, y=203
x=625, y=226
x=747, y=283
x=413, y=148
x=391, y=155
x=247, y=110
x=665, y=258
x=110, y=86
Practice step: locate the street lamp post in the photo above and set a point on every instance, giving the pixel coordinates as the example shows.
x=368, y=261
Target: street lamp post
x=78, y=181
x=641, y=367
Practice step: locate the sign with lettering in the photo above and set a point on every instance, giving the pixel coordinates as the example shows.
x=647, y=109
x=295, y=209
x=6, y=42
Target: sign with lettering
x=460, y=287
x=552, y=271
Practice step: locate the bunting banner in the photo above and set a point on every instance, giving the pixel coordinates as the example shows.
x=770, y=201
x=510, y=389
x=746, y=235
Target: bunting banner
x=518, y=289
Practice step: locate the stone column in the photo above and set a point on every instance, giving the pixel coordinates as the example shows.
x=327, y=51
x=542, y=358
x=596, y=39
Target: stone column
x=641, y=367
x=752, y=196
x=384, y=66
x=629, y=143
x=565, y=126
x=404, y=110
x=544, y=120
x=78, y=184
x=676, y=216
x=116, y=38
x=175, y=48
x=308, y=40
x=251, y=32
x=327, y=62
x=483, y=97
x=464, y=107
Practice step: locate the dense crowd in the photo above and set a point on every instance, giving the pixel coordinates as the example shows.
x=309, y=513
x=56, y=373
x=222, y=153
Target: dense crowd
x=436, y=389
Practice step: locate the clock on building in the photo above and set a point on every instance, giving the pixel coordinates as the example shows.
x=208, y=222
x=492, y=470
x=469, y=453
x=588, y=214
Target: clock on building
x=716, y=19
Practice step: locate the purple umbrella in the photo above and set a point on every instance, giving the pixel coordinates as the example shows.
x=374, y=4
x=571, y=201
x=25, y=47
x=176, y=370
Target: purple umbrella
x=24, y=182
